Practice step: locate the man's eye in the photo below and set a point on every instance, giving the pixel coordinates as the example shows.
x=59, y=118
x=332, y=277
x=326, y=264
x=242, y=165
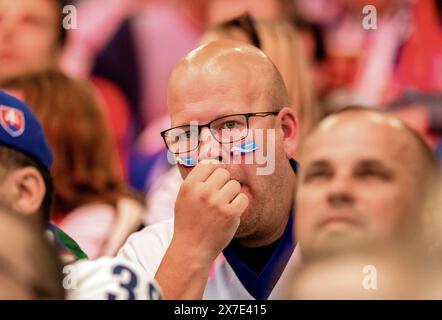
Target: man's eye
x=184, y=135
x=230, y=125
x=187, y=134
x=378, y=174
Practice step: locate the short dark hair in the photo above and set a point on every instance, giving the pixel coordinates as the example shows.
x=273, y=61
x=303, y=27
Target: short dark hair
x=14, y=159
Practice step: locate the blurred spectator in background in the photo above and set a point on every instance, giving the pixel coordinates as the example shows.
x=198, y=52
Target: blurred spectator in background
x=368, y=211
x=32, y=38
x=29, y=265
x=365, y=177
x=376, y=269
x=91, y=201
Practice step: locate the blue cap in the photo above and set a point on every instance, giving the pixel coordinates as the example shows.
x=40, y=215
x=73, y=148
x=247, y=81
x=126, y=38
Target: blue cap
x=20, y=130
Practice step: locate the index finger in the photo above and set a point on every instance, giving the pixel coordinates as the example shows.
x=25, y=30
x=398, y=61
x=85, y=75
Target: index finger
x=203, y=170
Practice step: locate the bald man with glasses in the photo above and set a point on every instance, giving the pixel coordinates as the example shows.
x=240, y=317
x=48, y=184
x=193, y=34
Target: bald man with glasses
x=231, y=234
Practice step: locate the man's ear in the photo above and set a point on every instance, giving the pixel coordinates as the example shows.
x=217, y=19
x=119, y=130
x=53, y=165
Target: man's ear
x=29, y=188
x=289, y=126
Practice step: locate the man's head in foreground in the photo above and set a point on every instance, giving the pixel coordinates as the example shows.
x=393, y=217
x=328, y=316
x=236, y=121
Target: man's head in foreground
x=366, y=272
x=29, y=265
x=225, y=78
x=365, y=177
x=25, y=160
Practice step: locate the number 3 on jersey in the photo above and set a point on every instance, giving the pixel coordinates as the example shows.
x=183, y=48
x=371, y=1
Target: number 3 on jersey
x=128, y=285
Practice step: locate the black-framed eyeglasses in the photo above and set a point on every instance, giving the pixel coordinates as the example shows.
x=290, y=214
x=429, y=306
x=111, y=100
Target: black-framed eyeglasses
x=226, y=130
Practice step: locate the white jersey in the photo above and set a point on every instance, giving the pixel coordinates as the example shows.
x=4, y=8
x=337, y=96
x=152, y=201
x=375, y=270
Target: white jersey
x=108, y=279
x=229, y=278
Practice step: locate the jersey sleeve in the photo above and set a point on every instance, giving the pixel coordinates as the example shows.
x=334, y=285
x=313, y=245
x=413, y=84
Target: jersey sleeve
x=146, y=248
x=108, y=279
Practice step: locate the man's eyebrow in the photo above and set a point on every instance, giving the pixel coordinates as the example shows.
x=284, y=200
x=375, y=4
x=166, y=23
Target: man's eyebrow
x=372, y=163
x=318, y=164
x=376, y=165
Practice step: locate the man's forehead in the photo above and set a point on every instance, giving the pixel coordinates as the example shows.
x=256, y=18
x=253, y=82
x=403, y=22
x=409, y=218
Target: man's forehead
x=197, y=95
x=359, y=138
x=211, y=99
x=196, y=86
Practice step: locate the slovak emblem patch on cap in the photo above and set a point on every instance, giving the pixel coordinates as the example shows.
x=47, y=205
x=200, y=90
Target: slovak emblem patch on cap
x=12, y=120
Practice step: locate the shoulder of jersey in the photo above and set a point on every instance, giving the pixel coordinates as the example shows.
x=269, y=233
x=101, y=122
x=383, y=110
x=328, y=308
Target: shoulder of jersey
x=108, y=279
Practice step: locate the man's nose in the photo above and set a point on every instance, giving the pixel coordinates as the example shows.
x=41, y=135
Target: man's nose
x=210, y=148
x=340, y=193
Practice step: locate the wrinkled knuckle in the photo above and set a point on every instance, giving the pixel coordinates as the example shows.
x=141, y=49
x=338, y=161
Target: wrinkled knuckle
x=211, y=204
x=204, y=195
